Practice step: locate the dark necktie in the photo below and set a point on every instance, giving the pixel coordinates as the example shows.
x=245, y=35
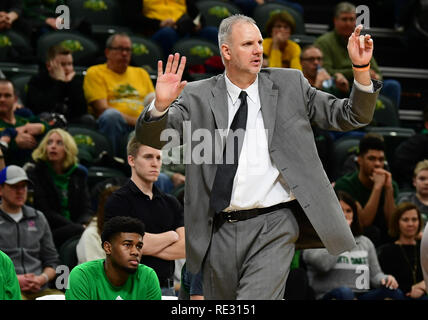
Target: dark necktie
x=223, y=181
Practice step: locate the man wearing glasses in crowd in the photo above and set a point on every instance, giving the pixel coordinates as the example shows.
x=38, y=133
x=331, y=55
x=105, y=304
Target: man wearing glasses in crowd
x=311, y=60
x=117, y=92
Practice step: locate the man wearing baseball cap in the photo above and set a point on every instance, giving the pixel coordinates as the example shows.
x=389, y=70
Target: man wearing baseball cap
x=25, y=236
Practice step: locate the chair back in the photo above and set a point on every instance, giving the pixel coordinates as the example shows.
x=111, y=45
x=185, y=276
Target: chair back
x=15, y=47
x=84, y=49
x=98, y=12
x=213, y=11
x=263, y=12
x=146, y=53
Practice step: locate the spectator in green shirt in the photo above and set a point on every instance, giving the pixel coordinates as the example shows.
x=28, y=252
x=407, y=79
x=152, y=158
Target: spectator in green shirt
x=119, y=276
x=336, y=61
x=373, y=188
x=9, y=284
x=18, y=135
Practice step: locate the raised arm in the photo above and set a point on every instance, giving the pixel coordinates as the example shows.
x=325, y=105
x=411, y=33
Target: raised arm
x=360, y=50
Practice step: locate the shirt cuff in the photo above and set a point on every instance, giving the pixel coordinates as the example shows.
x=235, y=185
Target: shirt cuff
x=368, y=89
x=153, y=112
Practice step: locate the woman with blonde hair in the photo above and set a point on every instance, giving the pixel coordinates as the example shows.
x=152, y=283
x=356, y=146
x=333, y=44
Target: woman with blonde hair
x=60, y=186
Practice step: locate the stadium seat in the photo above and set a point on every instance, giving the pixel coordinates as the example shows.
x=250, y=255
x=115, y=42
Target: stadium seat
x=97, y=174
x=91, y=144
x=263, y=12
x=104, y=17
x=343, y=148
x=20, y=83
x=67, y=252
x=97, y=12
x=197, y=52
x=84, y=49
x=386, y=113
x=145, y=53
x=213, y=11
x=15, y=47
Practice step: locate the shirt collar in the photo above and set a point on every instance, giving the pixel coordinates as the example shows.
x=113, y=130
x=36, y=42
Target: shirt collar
x=233, y=91
x=135, y=189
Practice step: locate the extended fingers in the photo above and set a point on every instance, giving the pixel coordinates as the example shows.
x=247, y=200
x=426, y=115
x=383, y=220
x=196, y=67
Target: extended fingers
x=169, y=63
x=357, y=30
x=181, y=66
x=368, y=41
x=365, y=41
x=175, y=62
x=160, y=71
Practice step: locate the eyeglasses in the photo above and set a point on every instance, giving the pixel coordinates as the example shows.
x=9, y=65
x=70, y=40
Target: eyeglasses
x=122, y=49
x=312, y=59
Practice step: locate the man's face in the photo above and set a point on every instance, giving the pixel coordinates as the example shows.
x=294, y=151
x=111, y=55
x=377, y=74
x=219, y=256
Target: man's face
x=14, y=195
x=7, y=98
x=244, y=50
x=65, y=61
x=119, y=53
x=311, y=60
x=146, y=164
x=125, y=251
x=371, y=160
x=420, y=182
x=344, y=24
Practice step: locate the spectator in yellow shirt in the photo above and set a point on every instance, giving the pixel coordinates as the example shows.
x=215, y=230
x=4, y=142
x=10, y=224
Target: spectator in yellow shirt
x=116, y=92
x=278, y=50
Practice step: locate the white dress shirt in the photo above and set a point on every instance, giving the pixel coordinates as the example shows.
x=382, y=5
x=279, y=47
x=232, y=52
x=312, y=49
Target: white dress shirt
x=257, y=182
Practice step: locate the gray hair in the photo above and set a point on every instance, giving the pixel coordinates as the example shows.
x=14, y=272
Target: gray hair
x=225, y=28
x=110, y=39
x=344, y=7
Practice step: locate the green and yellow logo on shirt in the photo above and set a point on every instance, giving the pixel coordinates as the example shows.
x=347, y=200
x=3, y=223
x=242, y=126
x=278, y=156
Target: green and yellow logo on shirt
x=125, y=90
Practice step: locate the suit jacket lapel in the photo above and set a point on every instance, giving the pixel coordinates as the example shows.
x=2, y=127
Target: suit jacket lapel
x=218, y=103
x=268, y=101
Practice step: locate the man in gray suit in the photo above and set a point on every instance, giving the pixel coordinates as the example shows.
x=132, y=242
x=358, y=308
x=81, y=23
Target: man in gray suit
x=242, y=225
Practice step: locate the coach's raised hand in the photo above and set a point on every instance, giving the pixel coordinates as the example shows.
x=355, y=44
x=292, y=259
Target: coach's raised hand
x=169, y=84
x=360, y=50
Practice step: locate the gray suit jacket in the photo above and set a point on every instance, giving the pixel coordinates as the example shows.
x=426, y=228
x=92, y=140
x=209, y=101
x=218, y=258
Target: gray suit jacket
x=289, y=105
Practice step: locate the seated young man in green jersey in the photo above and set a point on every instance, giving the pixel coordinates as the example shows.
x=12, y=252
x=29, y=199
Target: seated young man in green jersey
x=119, y=276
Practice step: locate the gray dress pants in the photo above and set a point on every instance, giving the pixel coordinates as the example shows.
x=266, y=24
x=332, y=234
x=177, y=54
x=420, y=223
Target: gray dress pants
x=250, y=259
